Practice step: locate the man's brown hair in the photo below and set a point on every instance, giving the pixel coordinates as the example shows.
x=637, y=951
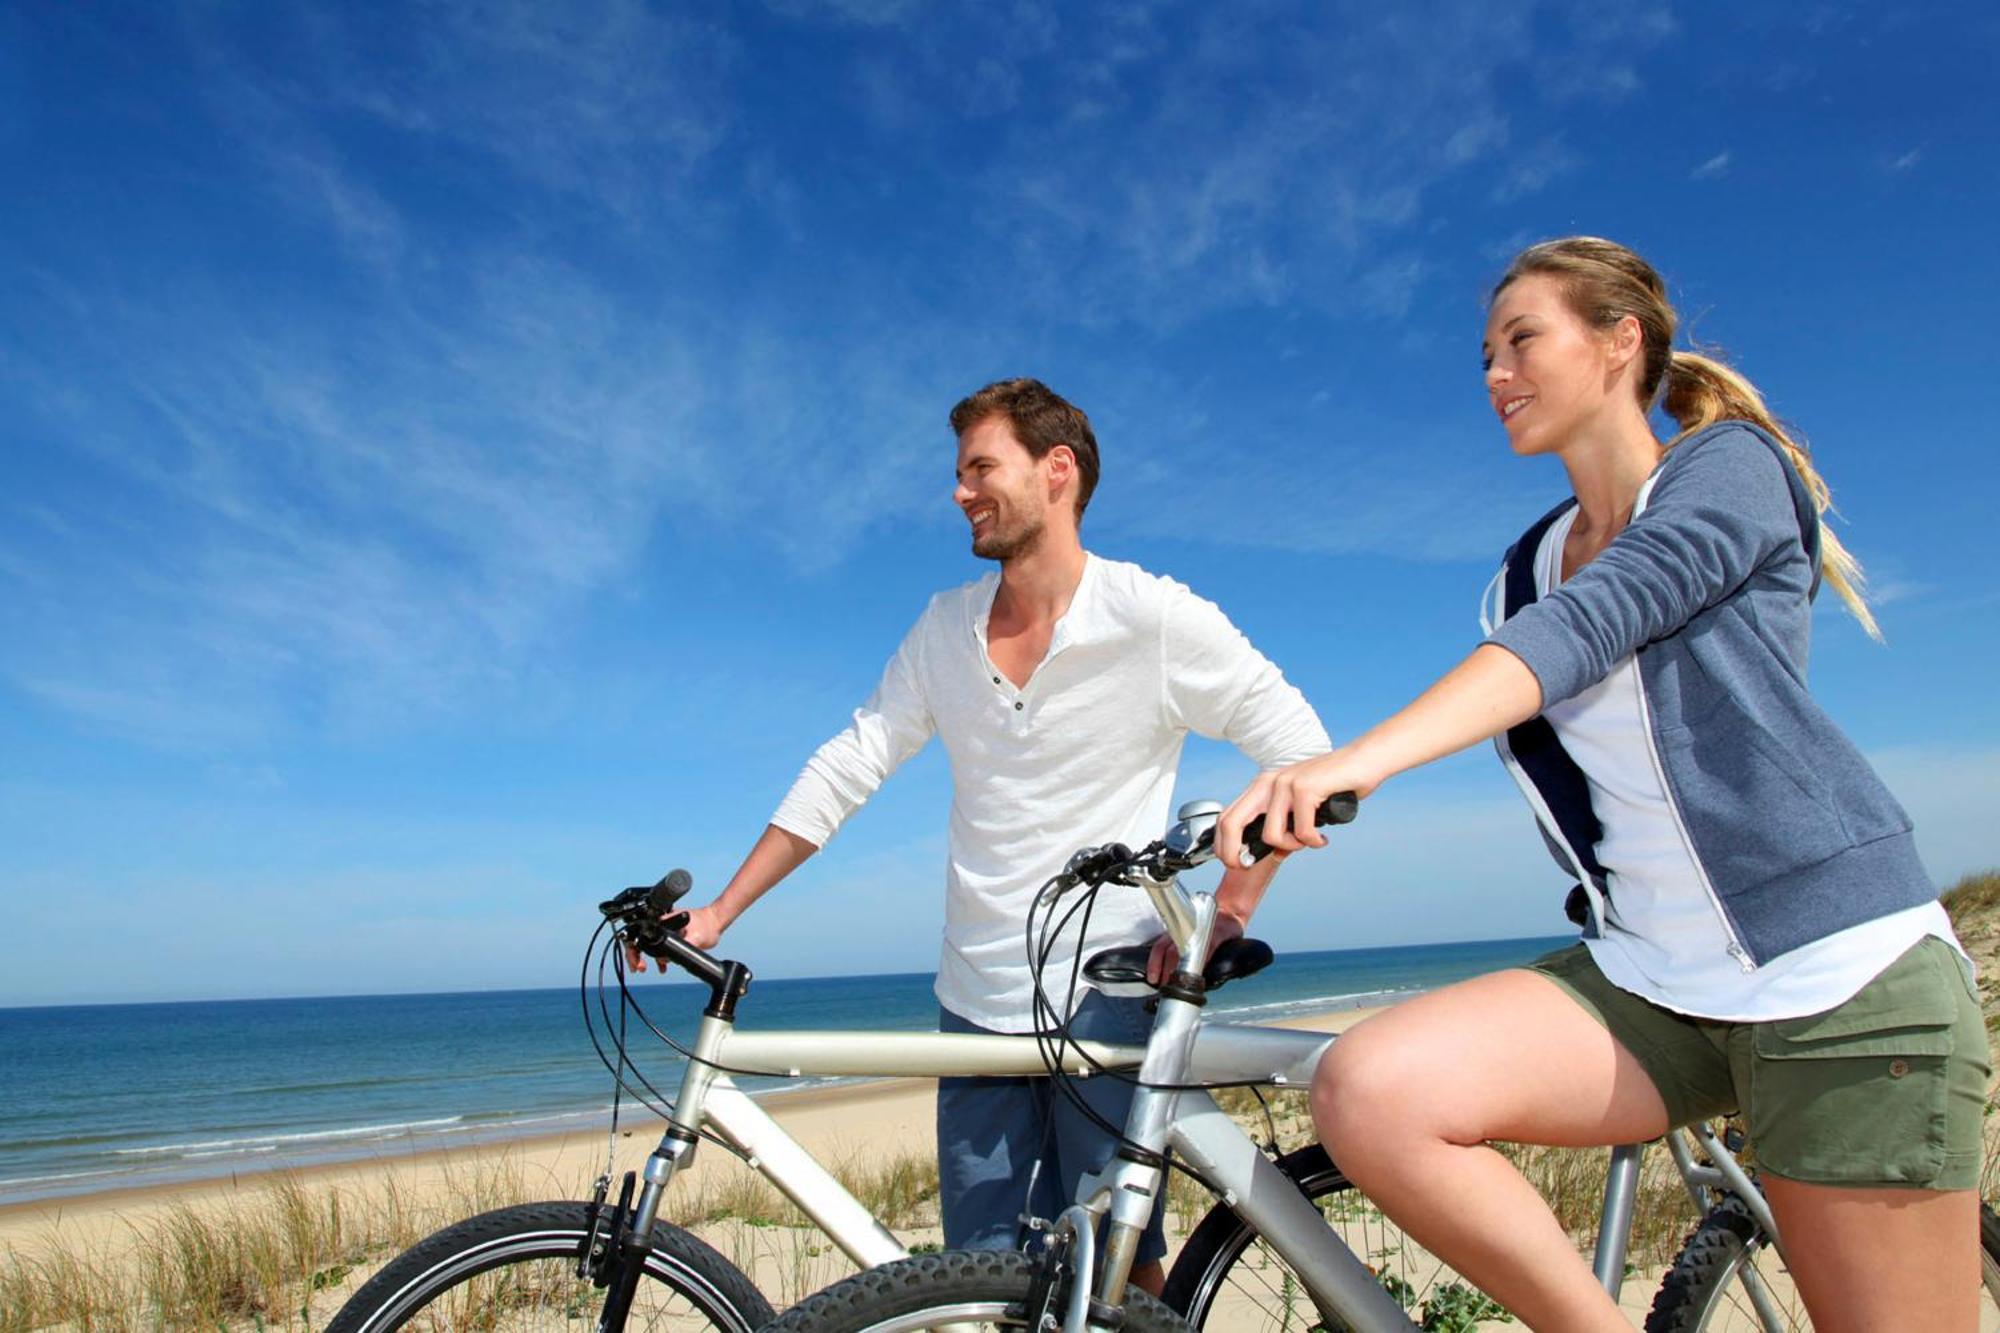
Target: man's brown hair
x=1042, y=419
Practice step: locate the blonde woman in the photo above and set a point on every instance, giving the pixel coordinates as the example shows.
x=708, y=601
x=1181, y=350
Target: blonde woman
x=1758, y=933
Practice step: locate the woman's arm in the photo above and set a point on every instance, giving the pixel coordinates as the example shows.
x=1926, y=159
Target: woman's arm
x=1716, y=515
x=1480, y=697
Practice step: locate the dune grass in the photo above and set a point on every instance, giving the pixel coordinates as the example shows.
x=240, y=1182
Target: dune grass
x=256, y=1264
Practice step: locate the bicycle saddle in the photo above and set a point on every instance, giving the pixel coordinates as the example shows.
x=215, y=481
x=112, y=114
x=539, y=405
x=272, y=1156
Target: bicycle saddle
x=1123, y=971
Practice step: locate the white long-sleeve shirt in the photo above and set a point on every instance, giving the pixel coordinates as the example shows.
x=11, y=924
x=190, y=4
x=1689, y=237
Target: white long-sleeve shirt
x=1083, y=754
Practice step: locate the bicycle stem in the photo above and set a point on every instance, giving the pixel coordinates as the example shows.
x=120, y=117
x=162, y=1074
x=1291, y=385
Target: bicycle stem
x=1188, y=918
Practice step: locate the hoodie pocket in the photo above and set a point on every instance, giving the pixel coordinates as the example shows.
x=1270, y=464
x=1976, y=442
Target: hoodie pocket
x=1753, y=814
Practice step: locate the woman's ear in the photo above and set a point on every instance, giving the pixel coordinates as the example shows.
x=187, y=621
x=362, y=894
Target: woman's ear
x=1628, y=340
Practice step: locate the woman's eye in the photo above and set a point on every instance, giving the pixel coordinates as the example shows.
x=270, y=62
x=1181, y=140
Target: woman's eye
x=1520, y=336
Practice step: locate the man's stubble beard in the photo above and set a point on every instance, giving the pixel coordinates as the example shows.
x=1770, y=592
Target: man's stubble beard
x=1005, y=546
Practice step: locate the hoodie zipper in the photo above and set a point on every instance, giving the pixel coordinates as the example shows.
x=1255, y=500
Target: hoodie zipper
x=1736, y=949
x=1735, y=941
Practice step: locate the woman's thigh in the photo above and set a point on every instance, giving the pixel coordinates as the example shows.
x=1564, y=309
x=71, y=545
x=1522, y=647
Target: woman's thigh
x=1508, y=1056
x=1876, y=1258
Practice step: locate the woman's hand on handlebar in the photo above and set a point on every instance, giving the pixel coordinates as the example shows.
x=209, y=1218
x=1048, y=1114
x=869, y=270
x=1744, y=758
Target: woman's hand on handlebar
x=703, y=930
x=1288, y=798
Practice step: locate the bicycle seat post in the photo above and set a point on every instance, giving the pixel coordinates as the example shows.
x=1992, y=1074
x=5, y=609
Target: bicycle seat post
x=1614, y=1224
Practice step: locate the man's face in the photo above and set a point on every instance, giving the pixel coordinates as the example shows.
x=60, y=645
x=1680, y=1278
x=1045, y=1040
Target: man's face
x=1002, y=489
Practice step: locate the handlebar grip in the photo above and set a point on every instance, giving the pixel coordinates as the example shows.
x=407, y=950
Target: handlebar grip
x=673, y=886
x=1339, y=808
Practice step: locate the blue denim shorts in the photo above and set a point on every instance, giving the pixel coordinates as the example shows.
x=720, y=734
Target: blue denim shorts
x=992, y=1132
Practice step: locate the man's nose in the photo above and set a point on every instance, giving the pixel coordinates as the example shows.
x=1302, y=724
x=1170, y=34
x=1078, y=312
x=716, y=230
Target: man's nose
x=961, y=494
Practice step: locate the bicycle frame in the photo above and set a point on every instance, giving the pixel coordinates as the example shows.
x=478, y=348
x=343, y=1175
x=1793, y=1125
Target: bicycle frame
x=1185, y=1049
x=710, y=1098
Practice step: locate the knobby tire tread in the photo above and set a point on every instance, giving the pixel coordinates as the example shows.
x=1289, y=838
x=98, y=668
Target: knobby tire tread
x=692, y=1267
x=908, y=1287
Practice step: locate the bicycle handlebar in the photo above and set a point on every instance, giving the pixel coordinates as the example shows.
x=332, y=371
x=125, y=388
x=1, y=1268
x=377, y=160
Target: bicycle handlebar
x=643, y=917
x=1189, y=843
x=1339, y=808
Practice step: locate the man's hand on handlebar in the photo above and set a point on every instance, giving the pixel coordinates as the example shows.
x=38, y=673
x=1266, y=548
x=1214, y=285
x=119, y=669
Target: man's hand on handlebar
x=703, y=929
x=1164, y=958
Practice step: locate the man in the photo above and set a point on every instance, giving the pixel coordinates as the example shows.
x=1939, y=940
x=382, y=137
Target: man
x=1063, y=688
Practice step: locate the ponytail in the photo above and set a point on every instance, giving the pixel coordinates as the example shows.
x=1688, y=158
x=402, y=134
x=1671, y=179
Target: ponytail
x=1700, y=391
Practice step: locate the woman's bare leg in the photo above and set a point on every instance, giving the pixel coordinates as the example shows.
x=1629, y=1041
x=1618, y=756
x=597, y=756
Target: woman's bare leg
x=1880, y=1259
x=1407, y=1101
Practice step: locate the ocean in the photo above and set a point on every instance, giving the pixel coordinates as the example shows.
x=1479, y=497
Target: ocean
x=99, y=1097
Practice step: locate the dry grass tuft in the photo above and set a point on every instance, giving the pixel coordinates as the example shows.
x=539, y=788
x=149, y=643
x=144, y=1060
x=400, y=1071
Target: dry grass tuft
x=259, y=1264
x=1973, y=898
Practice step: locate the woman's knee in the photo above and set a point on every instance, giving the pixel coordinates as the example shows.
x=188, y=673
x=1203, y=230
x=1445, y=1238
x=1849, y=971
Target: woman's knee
x=1366, y=1091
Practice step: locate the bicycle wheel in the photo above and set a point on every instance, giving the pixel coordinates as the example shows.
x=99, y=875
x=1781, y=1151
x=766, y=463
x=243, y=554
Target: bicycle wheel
x=1728, y=1278
x=961, y=1288
x=1227, y=1278
x=513, y=1270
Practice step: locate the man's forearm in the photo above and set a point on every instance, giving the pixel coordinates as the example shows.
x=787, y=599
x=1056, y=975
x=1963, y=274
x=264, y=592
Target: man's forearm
x=777, y=853
x=1242, y=889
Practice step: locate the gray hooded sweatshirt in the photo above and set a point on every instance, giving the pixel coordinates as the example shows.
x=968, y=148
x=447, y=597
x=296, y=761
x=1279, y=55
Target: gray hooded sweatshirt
x=1710, y=586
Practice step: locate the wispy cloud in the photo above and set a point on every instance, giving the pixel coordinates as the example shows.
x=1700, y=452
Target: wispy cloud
x=1226, y=187
x=1532, y=171
x=387, y=492
x=1713, y=168
x=1905, y=161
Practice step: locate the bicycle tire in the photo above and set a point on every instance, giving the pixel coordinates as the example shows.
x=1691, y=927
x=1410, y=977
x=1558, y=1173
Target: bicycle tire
x=513, y=1270
x=1224, y=1272
x=1704, y=1289
x=985, y=1289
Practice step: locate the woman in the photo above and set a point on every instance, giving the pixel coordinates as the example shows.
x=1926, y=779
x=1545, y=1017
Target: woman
x=1758, y=931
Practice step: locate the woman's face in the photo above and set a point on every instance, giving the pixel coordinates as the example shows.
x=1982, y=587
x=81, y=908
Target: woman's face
x=1548, y=373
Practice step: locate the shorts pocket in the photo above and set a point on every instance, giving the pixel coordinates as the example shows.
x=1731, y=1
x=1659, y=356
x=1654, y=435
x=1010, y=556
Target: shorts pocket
x=1857, y=1095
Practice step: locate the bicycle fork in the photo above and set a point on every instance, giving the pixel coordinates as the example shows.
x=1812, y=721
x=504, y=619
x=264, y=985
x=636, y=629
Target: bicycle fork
x=634, y=1240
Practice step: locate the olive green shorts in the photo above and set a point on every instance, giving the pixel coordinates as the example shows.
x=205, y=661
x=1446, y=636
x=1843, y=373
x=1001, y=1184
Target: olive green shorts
x=1888, y=1088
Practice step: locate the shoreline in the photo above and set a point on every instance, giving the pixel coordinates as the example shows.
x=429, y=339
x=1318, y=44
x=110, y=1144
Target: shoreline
x=839, y=1123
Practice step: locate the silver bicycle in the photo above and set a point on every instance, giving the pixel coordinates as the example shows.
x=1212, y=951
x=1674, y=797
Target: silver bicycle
x=613, y=1263
x=1291, y=1244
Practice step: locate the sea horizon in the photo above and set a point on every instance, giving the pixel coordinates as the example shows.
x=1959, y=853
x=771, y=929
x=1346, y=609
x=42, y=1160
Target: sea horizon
x=649, y=979
x=117, y=1095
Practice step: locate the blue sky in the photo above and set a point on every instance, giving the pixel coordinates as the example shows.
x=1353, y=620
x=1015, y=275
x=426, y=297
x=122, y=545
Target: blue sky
x=461, y=458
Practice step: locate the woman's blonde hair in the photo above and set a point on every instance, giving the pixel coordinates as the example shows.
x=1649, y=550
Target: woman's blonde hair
x=1603, y=282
